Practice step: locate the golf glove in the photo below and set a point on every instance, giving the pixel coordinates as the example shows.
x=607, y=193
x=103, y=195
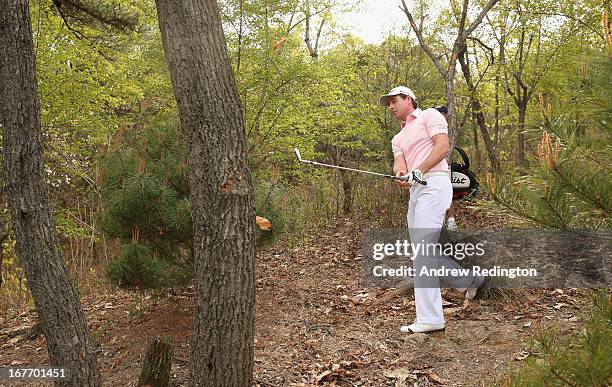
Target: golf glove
x=414, y=177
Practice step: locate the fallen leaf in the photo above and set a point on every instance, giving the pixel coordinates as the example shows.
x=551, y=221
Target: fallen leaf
x=417, y=338
x=573, y=319
x=527, y=324
x=559, y=305
x=432, y=376
x=454, y=310
x=263, y=223
x=401, y=374
x=523, y=355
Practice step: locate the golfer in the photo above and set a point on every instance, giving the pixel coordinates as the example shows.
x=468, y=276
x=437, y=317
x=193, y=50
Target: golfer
x=419, y=152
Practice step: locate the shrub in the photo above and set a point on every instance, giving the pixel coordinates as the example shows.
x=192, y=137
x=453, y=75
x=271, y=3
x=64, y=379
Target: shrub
x=138, y=267
x=581, y=359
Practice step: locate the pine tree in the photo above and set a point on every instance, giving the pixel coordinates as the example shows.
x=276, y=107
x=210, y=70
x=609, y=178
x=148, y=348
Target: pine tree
x=571, y=184
x=145, y=195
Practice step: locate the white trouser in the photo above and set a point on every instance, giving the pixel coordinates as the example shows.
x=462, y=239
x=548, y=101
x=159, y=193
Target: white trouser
x=426, y=211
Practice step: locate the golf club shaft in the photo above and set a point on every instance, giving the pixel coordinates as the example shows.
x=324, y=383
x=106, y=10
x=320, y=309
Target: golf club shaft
x=354, y=170
x=400, y=178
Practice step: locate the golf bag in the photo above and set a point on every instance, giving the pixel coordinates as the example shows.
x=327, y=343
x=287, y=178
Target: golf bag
x=465, y=184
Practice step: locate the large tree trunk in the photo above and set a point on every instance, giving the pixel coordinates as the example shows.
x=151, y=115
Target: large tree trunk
x=223, y=210
x=60, y=313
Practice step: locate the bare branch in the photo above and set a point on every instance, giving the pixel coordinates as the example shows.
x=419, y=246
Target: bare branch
x=419, y=35
x=463, y=18
x=480, y=16
x=482, y=44
x=297, y=23
x=316, y=47
x=579, y=21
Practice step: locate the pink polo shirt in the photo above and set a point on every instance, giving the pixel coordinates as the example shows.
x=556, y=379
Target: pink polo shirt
x=414, y=140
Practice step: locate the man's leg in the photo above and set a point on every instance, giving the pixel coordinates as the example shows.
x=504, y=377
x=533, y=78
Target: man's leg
x=430, y=207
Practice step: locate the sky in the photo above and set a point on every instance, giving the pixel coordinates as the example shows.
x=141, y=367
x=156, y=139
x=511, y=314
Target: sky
x=374, y=19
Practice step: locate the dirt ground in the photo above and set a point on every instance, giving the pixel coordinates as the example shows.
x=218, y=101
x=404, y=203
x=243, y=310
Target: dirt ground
x=317, y=325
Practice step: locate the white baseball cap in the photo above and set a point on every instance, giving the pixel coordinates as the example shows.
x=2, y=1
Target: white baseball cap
x=384, y=100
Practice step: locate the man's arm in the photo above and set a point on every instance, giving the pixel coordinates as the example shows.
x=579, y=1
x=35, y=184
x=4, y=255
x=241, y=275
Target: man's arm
x=399, y=165
x=400, y=169
x=438, y=152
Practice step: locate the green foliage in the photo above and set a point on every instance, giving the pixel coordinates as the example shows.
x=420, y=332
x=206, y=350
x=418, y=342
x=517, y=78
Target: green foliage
x=580, y=359
x=144, y=186
x=145, y=195
x=571, y=184
x=270, y=201
x=93, y=81
x=96, y=83
x=137, y=266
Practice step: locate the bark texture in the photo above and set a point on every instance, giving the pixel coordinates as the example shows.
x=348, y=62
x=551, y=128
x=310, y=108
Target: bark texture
x=223, y=210
x=59, y=310
x=157, y=363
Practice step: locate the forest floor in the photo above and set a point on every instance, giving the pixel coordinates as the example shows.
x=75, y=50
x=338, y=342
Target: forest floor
x=317, y=325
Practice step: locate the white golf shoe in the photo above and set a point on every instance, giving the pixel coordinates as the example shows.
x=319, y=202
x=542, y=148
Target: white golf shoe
x=423, y=328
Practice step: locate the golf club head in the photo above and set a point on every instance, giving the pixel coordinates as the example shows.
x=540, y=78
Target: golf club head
x=297, y=153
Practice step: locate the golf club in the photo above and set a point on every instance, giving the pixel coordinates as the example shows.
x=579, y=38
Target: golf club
x=401, y=178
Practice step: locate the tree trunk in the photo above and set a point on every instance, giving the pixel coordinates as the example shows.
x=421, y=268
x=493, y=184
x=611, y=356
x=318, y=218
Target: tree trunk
x=60, y=313
x=520, y=155
x=156, y=365
x=477, y=110
x=477, y=168
x=4, y=233
x=449, y=73
x=222, y=204
x=453, y=131
x=347, y=191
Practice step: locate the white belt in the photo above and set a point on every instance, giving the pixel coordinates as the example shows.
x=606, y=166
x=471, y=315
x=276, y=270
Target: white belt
x=431, y=174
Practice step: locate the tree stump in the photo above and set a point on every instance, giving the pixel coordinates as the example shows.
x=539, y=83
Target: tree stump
x=156, y=365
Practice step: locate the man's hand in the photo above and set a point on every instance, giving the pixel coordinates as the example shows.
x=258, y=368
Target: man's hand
x=415, y=177
x=402, y=183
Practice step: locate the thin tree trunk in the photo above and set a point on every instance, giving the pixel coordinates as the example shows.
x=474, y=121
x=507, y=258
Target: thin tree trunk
x=60, y=313
x=347, y=192
x=478, y=165
x=448, y=73
x=520, y=156
x=496, y=133
x=222, y=205
x=477, y=110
